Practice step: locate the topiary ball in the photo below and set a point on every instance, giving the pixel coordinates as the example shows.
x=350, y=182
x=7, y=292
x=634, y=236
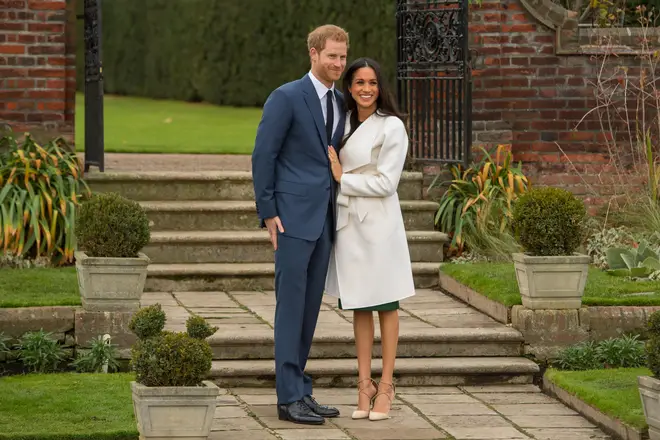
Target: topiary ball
x=109, y=225
x=198, y=328
x=549, y=221
x=171, y=360
x=148, y=322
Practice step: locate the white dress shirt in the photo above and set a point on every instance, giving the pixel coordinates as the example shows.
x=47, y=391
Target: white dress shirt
x=322, y=92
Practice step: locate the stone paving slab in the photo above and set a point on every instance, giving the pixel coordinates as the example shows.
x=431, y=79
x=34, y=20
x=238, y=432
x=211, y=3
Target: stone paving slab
x=176, y=162
x=239, y=312
x=418, y=413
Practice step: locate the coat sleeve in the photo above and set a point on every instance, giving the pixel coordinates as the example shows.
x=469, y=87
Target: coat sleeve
x=391, y=160
x=275, y=122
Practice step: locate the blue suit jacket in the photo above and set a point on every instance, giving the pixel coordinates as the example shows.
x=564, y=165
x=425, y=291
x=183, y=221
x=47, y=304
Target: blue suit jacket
x=290, y=165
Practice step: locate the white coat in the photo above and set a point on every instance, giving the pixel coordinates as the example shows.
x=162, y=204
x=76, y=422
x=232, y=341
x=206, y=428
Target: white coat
x=370, y=261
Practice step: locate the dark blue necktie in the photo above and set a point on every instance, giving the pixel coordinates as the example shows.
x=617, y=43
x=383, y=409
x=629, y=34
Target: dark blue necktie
x=330, y=120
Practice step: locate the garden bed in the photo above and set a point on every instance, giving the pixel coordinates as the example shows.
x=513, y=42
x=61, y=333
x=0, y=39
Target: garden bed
x=37, y=287
x=67, y=406
x=608, y=397
x=498, y=283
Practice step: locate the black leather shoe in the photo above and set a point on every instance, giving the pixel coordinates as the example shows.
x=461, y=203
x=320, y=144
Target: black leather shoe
x=322, y=410
x=298, y=412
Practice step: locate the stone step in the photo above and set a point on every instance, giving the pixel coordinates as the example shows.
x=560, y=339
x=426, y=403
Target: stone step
x=254, y=247
x=209, y=215
x=422, y=342
x=242, y=276
x=448, y=371
x=205, y=185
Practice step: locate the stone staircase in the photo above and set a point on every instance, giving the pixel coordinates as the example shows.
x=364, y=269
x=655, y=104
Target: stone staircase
x=209, y=257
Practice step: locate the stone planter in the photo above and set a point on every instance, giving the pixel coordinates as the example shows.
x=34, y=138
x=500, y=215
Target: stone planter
x=551, y=282
x=174, y=412
x=111, y=284
x=649, y=390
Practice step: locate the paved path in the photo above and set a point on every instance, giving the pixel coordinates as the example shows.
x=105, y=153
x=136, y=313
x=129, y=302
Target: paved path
x=245, y=312
x=419, y=413
x=175, y=162
x=470, y=412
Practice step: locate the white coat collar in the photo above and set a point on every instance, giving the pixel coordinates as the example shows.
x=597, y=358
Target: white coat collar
x=357, y=150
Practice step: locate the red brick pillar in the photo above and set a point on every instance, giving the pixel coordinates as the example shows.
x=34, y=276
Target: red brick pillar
x=37, y=65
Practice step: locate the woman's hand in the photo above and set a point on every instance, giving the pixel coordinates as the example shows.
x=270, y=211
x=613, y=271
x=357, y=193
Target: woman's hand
x=335, y=166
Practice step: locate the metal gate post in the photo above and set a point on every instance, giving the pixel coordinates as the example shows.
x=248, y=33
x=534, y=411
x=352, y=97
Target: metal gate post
x=94, y=136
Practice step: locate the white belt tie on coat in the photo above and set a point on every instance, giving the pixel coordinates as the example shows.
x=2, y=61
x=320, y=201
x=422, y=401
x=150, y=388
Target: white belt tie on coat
x=362, y=206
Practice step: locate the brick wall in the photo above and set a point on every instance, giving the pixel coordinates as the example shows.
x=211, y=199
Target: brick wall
x=524, y=93
x=37, y=65
x=527, y=95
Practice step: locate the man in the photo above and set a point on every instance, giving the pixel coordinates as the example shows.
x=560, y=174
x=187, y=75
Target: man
x=295, y=193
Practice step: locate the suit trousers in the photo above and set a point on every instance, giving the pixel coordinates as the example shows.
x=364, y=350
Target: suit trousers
x=301, y=268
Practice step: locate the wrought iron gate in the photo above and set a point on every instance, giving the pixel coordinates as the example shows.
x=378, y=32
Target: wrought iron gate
x=434, y=78
x=94, y=144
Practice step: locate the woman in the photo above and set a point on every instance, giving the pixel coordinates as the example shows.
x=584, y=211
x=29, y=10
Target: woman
x=370, y=266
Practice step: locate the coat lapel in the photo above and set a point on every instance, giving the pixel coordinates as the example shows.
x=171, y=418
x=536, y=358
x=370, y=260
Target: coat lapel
x=357, y=150
x=314, y=105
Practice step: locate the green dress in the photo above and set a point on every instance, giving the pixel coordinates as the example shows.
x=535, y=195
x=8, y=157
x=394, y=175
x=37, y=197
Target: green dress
x=387, y=307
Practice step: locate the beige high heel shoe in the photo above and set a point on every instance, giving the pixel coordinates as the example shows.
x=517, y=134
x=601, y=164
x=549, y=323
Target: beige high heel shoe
x=376, y=416
x=359, y=413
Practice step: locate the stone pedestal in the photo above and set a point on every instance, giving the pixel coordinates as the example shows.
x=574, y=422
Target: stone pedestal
x=547, y=332
x=90, y=325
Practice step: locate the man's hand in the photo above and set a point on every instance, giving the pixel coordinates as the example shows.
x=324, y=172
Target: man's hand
x=273, y=225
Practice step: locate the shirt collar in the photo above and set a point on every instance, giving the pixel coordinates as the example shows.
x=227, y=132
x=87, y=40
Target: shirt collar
x=321, y=89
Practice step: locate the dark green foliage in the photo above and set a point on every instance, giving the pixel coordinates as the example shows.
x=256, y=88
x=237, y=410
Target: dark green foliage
x=93, y=360
x=549, y=221
x=624, y=352
x=109, y=225
x=198, y=328
x=163, y=358
x=633, y=16
x=171, y=359
x=148, y=322
x=40, y=352
x=228, y=52
x=653, y=344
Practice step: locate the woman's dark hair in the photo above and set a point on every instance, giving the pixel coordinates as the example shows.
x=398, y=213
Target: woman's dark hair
x=385, y=104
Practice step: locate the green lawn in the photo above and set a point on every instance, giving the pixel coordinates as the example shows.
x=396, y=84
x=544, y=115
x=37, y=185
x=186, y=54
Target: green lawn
x=38, y=287
x=498, y=282
x=140, y=125
x=67, y=406
x=613, y=391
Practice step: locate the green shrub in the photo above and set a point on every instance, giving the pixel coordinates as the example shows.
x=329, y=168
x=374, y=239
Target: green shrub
x=549, y=221
x=198, y=328
x=40, y=352
x=475, y=209
x=100, y=354
x=653, y=344
x=623, y=352
x=40, y=189
x=109, y=225
x=582, y=356
x=169, y=358
x=148, y=322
